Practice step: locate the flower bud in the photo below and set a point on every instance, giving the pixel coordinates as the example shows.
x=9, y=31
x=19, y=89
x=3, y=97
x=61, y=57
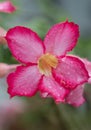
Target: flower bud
x=5, y=69
x=2, y=35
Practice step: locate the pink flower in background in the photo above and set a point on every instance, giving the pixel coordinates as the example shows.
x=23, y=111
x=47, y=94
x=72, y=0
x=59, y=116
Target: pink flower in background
x=7, y=7
x=46, y=68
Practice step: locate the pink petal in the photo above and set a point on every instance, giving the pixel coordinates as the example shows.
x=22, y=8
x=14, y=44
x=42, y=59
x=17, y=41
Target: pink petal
x=49, y=87
x=70, y=72
x=24, y=82
x=25, y=45
x=75, y=97
x=7, y=7
x=88, y=67
x=61, y=38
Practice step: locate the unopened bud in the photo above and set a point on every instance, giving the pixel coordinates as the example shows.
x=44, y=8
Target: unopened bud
x=2, y=35
x=5, y=69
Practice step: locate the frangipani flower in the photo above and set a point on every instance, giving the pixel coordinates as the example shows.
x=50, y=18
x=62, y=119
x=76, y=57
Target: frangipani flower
x=7, y=7
x=46, y=68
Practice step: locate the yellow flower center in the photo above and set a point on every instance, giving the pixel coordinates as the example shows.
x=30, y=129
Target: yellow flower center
x=46, y=62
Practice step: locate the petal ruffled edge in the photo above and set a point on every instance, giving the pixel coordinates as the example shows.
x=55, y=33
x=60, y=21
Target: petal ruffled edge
x=50, y=88
x=61, y=38
x=25, y=45
x=24, y=81
x=70, y=72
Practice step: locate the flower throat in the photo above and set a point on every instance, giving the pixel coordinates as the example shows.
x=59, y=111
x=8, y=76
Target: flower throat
x=46, y=62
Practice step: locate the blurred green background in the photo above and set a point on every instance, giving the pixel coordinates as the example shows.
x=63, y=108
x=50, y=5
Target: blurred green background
x=40, y=15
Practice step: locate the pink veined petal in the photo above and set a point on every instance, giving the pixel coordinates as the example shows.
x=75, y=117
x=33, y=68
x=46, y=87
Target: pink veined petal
x=24, y=82
x=25, y=45
x=61, y=38
x=75, y=97
x=7, y=7
x=70, y=72
x=49, y=87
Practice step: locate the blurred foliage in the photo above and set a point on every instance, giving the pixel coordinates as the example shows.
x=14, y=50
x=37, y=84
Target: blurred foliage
x=44, y=114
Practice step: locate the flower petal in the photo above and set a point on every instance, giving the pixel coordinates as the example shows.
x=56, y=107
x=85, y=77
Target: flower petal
x=49, y=87
x=70, y=72
x=88, y=67
x=7, y=7
x=24, y=82
x=61, y=38
x=24, y=44
x=75, y=97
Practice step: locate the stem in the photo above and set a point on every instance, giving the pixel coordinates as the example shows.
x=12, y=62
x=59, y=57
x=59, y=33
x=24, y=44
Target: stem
x=61, y=120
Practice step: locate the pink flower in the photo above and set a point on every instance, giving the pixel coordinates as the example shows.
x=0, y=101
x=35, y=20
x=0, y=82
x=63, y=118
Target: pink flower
x=46, y=68
x=7, y=7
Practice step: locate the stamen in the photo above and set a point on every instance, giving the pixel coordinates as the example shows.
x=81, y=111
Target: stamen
x=46, y=62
